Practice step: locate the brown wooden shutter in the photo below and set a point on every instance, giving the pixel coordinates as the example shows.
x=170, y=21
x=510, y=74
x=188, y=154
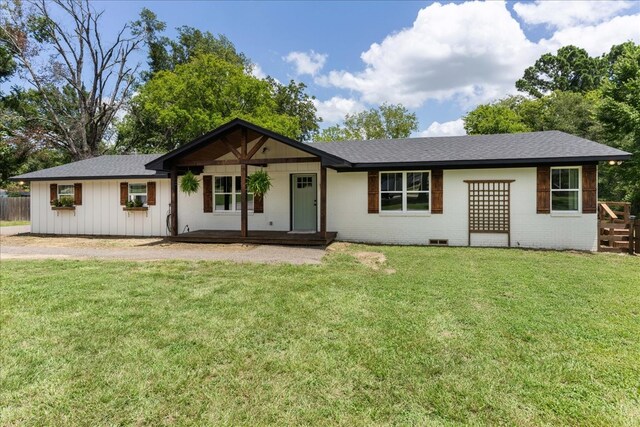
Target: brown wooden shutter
x=77, y=194
x=151, y=193
x=436, y=191
x=207, y=193
x=258, y=204
x=543, y=201
x=373, y=199
x=53, y=192
x=589, y=188
x=124, y=193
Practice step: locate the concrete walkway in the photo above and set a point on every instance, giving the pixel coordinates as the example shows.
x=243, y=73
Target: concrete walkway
x=14, y=229
x=255, y=254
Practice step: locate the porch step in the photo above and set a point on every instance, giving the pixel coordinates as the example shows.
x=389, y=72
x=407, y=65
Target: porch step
x=255, y=238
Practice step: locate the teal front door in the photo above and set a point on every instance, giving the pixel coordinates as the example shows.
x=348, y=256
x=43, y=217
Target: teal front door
x=304, y=202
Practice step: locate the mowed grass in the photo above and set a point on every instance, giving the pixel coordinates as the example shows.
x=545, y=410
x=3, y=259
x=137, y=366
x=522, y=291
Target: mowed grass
x=478, y=336
x=12, y=223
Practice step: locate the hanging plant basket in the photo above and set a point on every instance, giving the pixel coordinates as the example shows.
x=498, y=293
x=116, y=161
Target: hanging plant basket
x=189, y=184
x=259, y=183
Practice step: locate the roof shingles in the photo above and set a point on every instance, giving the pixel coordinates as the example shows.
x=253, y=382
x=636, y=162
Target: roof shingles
x=114, y=166
x=528, y=146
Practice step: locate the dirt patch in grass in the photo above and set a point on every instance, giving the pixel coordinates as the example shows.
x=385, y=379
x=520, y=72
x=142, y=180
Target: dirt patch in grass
x=374, y=260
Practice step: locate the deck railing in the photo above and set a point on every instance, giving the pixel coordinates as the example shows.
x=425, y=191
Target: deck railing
x=618, y=230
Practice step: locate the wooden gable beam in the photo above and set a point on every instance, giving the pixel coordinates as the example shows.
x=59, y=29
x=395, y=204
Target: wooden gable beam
x=256, y=147
x=230, y=146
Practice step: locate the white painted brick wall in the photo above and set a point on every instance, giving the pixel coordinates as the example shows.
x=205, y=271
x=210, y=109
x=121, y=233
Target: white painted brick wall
x=347, y=214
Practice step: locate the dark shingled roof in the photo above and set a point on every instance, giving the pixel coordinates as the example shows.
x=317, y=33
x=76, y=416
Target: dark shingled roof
x=468, y=150
x=103, y=167
x=551, y=147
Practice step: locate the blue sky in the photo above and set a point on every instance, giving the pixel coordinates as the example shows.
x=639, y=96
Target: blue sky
x=438, y=59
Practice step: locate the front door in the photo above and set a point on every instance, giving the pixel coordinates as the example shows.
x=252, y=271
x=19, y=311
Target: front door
x=304, y=204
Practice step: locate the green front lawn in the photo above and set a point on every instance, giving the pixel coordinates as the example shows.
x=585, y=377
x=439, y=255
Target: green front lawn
x=12, y=223
x=481, y=336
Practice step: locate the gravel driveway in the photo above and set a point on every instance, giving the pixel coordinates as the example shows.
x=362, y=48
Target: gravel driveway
x=144, y=249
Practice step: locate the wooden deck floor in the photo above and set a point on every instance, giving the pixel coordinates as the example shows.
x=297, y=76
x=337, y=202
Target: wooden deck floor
x=256, y=237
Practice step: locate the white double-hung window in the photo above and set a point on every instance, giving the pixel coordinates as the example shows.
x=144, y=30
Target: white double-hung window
x=228, y=196
x=66, y=191
x=404, y=191
x=565, y=189
x=138, y=193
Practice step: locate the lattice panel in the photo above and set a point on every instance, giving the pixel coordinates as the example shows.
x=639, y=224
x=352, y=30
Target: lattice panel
x=489, y=206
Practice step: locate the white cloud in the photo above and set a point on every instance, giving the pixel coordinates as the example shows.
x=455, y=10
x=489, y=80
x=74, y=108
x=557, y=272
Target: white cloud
x=256, y=71
x=333, y=110
x=452, y=128
x=474, y=52
x=596, y=39
x=564, y=14
x=469, y=52
x=306, y=62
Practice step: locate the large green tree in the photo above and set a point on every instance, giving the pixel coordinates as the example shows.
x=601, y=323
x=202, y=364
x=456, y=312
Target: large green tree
x=570, y=69
x=497, y=117
x=174, y=107
x=164, y=53
x=619, y=113
x=147, y=126
x=387, y=121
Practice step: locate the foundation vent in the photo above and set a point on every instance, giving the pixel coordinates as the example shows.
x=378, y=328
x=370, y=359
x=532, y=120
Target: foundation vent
x=438, y=242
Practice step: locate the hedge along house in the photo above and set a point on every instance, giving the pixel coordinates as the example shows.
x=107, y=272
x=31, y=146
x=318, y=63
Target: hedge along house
x=534, y=189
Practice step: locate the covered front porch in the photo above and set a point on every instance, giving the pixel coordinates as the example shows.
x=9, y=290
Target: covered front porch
x=293, y=212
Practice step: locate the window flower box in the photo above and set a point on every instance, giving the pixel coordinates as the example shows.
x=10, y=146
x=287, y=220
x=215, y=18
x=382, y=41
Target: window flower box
x=63, y=208
x=129, y=209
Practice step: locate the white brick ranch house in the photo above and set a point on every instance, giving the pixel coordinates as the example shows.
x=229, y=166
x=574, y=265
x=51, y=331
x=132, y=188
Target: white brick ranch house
x=536, y=189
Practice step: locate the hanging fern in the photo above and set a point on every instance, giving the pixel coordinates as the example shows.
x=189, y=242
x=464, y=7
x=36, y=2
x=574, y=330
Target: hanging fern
x=259, y=183
x=189, y=184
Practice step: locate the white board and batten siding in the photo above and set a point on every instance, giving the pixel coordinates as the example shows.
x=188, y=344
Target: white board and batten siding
x=100, y=213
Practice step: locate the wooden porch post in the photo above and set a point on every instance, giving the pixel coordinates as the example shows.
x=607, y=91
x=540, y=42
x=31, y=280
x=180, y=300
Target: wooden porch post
x=244, y=216
x=323, y=201
x=243, y=197
x=174, y=201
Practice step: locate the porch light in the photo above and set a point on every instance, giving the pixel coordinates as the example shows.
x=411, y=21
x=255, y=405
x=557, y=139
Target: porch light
x=21, y=182
x=612, y=162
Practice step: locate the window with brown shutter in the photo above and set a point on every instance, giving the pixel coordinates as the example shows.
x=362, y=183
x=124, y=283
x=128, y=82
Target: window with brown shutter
x=437, y=202
x=543, y=200
x=258, y=204
x=77, y=194
x=124, y=193
x=53, y=192
x=151, y=193
x=373, y=183
x=589, y=188
x=207, y=193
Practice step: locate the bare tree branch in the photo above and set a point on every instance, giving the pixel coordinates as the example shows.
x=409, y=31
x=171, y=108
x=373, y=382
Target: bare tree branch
x=84, y=82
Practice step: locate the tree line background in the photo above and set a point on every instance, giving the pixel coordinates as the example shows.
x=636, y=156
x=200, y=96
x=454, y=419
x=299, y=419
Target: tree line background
x=80, y=97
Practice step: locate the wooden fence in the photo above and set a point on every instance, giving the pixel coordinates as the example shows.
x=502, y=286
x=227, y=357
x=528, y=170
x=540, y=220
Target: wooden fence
x=15, y=208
